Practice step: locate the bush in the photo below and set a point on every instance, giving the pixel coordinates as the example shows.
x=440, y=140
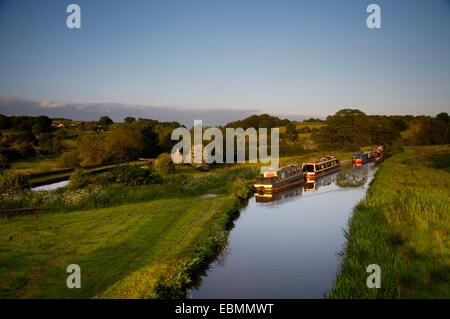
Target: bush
x=394, y=148
x=241, y=189
x=4, y=163
x=78, y=179
x=132, y=176
x=164, y=163
x=25, y=150
x=70, y=159
x=11, y=181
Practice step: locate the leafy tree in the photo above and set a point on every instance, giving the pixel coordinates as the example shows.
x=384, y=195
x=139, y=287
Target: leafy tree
x=4, y=163
x=165, y=139
x=24, y=150
x=150, y=139
x=291, y=132
x=124, y=144
x=49, y=144
x=347, y=129
x=42, y=124
x=383, y=130
x=129, y=120
x=443, y=117
x=4, y=122
x=105, y=121
x=70, y=159
x=259, y=121
x=92, y=149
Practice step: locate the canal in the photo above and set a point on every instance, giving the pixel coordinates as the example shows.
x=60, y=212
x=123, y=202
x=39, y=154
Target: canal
x=288, y=247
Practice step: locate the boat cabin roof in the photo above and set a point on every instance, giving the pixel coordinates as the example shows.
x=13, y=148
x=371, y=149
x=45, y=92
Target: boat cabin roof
x=322, y=160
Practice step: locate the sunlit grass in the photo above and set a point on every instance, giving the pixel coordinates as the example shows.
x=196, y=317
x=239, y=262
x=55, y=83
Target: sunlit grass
x=403, y=225
x=133, y=250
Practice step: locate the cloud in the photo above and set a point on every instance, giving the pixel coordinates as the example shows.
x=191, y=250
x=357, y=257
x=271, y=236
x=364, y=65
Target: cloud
x=118, y=111
x=51, y=104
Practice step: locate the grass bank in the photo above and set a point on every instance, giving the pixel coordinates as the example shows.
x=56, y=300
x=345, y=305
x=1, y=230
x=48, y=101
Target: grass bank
x=403, y=225
x=140, y=250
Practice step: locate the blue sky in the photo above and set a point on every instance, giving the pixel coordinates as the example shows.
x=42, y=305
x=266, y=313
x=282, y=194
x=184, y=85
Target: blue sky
x=280, y=57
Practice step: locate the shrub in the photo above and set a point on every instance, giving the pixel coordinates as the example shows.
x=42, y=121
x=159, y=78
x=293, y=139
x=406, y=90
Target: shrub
x=164, y=163
x=241, y=189
x=78, y=179
x=131, y=176
x=11, y=181
x=4, y=163
x=70, y=159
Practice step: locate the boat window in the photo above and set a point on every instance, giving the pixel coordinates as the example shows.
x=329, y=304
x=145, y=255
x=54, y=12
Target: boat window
x=308, y=168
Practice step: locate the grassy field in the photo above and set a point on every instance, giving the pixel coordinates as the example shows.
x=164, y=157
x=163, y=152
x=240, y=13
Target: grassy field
x=36, y=165
x=140, y=250
x=52, y=178
x=403, y=225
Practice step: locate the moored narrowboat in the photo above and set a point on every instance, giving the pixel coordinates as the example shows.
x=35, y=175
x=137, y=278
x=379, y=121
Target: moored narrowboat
x=369, y=156
x=277, y=180
x=323, y=166
x=364, y=157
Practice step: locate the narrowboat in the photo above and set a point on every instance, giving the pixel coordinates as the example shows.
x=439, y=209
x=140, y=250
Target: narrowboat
x=364, y=157
x=321, y=167
x=369, y=156
x=277, y=180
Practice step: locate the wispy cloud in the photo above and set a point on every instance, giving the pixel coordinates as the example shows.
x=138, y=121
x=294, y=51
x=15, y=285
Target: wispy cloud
x=51, y=104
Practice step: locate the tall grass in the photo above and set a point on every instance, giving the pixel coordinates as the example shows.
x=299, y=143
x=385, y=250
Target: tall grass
x=403, y=225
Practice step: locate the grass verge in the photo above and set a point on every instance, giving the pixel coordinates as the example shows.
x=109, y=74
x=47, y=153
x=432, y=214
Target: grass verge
x=403, y=225
x=145, y=250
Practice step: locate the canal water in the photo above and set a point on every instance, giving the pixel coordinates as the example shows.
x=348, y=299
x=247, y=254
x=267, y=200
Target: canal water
x=289, y=247
x=51, y=187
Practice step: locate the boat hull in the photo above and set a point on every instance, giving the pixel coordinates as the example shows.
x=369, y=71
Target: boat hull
x=311, y=178
x=262, y=188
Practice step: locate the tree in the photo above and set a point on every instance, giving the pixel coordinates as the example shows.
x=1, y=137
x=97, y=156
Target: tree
x=105, y=121
x=69, y=159
x=92, y=150
x=165, y=139
x=124, y=144
x=129, y=120
x=383, y=130
x=4, y=122
x=4, y=163
x=42, y=124
x=443, y=117
x=49, y=144
x=348, y=129
x=150, y=139
x=291, y=132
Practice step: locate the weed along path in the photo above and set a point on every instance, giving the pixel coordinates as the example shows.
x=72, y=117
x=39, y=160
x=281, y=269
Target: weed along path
x=289, y=247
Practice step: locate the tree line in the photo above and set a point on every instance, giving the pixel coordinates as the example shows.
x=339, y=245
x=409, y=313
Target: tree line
x=351, y=129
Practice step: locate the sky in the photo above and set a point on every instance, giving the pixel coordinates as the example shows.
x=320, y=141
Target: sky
x=223, y=59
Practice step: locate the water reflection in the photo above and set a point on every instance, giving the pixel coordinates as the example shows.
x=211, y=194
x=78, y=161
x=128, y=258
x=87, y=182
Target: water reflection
x=287, y=246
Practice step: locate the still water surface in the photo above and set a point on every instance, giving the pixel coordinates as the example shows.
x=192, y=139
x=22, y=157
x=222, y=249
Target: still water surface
x=289, y=247
x=50, y=187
